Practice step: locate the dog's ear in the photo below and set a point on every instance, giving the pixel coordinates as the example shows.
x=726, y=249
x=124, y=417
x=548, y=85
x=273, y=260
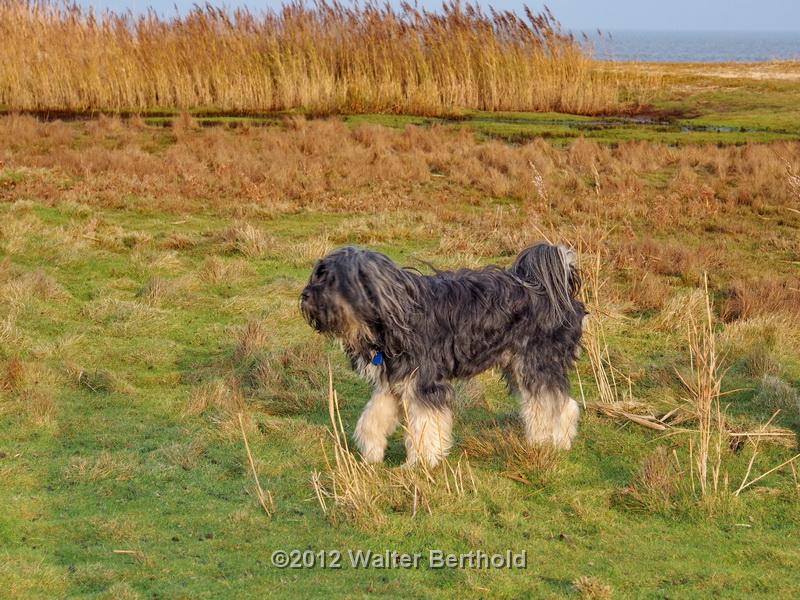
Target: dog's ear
x=553, y=271
x=386, y=289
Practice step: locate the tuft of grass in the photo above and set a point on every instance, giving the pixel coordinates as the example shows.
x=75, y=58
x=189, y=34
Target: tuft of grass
x=286, y=380
x=759, y=358
x=8, y=330
x=656, y=484
x=252, y=339
x=13, y=375
x=747, y=299
x=679, y=310
x=35, y=285
x=97, y=381
x=215, y=270
x=592, y=588
x=310, y=251
x=186, y=455
x=521, y=461
x=39, y=404
x=154, y=291
x=348, y=486
x=103, y=466
x=776, y=394
x=178, y=241
x=704, y=385
x=219, y=396
x=248, y=240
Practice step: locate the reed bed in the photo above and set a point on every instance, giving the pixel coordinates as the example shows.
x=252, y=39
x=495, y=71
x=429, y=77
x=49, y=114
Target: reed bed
x=323, y=58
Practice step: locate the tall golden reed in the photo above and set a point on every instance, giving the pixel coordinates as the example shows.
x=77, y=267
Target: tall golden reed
x=323, y=57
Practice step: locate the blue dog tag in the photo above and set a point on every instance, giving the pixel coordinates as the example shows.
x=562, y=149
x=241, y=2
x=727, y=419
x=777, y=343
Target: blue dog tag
x=377, y=359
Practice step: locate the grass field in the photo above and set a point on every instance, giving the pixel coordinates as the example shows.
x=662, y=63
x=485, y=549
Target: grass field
x=150, y=278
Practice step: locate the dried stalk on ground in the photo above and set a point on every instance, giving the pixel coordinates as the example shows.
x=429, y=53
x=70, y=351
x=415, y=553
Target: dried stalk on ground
x=265, y=499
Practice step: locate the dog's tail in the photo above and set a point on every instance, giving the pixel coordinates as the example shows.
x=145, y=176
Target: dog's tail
x=553, y=271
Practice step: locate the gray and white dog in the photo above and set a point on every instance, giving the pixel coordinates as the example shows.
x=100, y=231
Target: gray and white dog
x=411, y=335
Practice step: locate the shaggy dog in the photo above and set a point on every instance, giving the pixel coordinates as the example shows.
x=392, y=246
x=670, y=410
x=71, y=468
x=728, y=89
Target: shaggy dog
x=411, y=334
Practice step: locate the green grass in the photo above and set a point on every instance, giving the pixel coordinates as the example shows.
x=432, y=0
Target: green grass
x=123, y=466
x=561, y=129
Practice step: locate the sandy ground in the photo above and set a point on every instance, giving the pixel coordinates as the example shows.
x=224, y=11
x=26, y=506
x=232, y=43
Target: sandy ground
x=778, y=70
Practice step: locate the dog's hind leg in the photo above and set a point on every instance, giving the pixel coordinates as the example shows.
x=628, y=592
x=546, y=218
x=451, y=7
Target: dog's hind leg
x=550, y=416
x=429, y=427
x=376, y=423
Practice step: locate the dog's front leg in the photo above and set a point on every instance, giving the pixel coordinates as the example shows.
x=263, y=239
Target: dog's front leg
x=429, y=433
x=550, y=417
x=378, y=421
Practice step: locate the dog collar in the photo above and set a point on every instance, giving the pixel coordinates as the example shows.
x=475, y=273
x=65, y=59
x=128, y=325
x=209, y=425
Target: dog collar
x=377, y=358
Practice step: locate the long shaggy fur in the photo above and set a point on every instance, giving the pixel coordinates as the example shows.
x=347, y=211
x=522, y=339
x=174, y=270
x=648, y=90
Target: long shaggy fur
x=429, y=330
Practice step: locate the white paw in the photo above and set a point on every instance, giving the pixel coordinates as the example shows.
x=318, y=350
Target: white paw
x=372, y=455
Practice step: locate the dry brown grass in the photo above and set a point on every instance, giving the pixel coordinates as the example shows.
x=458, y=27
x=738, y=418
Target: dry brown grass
x=8, y=330
x=35, y=285
x=221, y=401
x=592, y=588
x=324, y=164
x=13, y=375
x=29, y=389
x=704, y=384
x=154, y=291
x=361, y=492
x=217, y=395
x=613, y=387
x=102, y=467
x=522, y=462
x=97, y=381
x=247, y=240
x=656, y=484
x=680, y=309
x=764, y=296
x=324, y=58
x=348, y=484
x=39, y=404
x=252, y=338
x=308, y=252
x=709, y=475
x=264, y=498
x=285, y=380
x=216, y=270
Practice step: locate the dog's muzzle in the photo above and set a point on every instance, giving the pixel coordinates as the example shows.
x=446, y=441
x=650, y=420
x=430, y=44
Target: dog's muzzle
x=310, y=310
x=306, y=308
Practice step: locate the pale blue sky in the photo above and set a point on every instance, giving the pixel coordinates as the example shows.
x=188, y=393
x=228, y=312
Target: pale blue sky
x=587, y=15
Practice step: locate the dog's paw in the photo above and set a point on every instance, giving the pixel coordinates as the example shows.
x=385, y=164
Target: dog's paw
x=372, y=455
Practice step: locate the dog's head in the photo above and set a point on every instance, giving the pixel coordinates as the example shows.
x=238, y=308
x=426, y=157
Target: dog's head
x=354, y=294
x=554, y=271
